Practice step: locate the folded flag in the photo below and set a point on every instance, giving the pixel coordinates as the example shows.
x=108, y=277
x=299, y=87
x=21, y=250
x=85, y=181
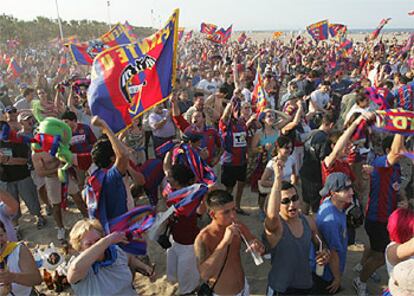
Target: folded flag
x=187, y=199
x=377, y=31
x=242, y=38
x=335, y=29
x=128, y=80
x=84, y=53
x=319, y=30
x=208, y=28
x=134, y=223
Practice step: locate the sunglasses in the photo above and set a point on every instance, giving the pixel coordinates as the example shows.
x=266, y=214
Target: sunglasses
x=287, y=200
x=12, y=111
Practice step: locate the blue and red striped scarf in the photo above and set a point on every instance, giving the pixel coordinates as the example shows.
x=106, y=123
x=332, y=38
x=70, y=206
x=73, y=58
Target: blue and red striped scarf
x=187, y=200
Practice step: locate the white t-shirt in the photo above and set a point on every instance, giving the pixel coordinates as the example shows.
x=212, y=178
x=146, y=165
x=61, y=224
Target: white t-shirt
x=288, y=169
x=321, y=99
x=209, y=86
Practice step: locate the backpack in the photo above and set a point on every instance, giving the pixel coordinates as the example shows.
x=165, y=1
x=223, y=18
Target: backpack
x=317, y=145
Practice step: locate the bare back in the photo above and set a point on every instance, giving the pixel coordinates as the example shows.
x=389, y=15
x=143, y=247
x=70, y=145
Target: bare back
x=45, y=164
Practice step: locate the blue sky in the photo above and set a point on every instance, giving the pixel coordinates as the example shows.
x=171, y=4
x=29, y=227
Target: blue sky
x=243, y=14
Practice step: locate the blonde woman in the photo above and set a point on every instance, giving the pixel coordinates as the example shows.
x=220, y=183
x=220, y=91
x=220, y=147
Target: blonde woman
x=101, y=268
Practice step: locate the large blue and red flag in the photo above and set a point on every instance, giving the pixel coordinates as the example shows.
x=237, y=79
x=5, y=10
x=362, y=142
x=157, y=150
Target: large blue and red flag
x=377, y=31
x=187, y=199
x=319, y=30
x=208, y=28
x=14, y=69
x=84, y=53
x=335, y=29
x=134, y=223
x=128, y=80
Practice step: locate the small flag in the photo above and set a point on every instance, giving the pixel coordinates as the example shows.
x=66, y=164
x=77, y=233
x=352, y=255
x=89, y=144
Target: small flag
x=277, y=34
x=377, y=31
x=335, y=29
x=242, y=38
x=14, y=69
x=319, y=30
x=208, y=28
x=259, y=97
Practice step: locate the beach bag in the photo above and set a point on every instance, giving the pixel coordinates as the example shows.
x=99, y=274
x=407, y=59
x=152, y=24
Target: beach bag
x=354, y=214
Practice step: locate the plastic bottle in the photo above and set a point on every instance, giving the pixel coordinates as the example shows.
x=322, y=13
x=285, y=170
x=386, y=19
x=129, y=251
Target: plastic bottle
x=319, y=268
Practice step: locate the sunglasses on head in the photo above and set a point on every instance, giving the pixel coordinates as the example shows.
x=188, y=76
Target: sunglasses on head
x=287, y=200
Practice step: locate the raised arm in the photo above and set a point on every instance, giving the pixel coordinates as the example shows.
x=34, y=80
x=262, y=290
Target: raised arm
x=121, y=153
x=396, y=148
x=12, y=206
x=80, y=266
x=272, y=224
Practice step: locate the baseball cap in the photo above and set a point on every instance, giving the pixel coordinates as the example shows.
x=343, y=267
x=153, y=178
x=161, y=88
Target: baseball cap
x=335, y=183
x=401, y=282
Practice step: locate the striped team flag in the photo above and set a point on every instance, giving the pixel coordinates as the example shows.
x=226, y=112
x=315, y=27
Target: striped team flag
x=377, y=31
x=14, y=69
x=242, y=38
x=130, y=31
x=130, y=79
x=84, y=53
x=259, y=97
x=411, y=13
x=187, y=199
x=346, y=47
x=225, y=34
x=335, y=29
x=319, y=30
x=134, y=223
x=208, y=28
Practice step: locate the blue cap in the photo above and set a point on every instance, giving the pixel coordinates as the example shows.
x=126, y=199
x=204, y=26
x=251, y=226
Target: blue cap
x=335, y=183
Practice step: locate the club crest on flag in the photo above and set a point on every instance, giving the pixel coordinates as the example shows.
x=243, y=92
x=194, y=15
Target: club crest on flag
x=128, y=79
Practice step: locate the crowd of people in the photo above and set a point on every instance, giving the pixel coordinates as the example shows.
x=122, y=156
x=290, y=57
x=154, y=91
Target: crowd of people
x=316, y=164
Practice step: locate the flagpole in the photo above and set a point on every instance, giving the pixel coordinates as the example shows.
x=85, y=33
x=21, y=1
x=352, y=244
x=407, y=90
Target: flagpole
x=59, y=22
x=108, y=4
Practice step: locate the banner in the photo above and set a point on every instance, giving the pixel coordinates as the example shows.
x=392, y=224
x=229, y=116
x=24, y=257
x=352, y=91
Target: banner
x=335, y=29
x=208, y=28
x=346, y=48
x=319, y=30
x=84, y=53
x=396, y=121
x=242, y=38
x=127, y=80
x=377, y=31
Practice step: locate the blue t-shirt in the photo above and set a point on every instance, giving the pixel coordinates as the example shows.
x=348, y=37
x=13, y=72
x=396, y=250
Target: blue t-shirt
x=113, y=194
x=331, y=223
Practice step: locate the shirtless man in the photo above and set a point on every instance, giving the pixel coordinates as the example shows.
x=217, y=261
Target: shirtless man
x=219, y=243
x=46, y=166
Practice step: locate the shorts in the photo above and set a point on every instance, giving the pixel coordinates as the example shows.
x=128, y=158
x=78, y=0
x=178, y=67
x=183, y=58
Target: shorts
x=378, y=235
x=37, y=180
x=244, y=292
x=231, y=174
x=54, y=189
x=182, y=267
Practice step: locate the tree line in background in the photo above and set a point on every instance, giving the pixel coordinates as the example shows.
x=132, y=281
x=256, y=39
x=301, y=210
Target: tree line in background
x=42, y=29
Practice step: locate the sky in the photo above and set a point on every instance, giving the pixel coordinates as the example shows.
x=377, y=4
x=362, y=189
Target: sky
x=245, y=15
